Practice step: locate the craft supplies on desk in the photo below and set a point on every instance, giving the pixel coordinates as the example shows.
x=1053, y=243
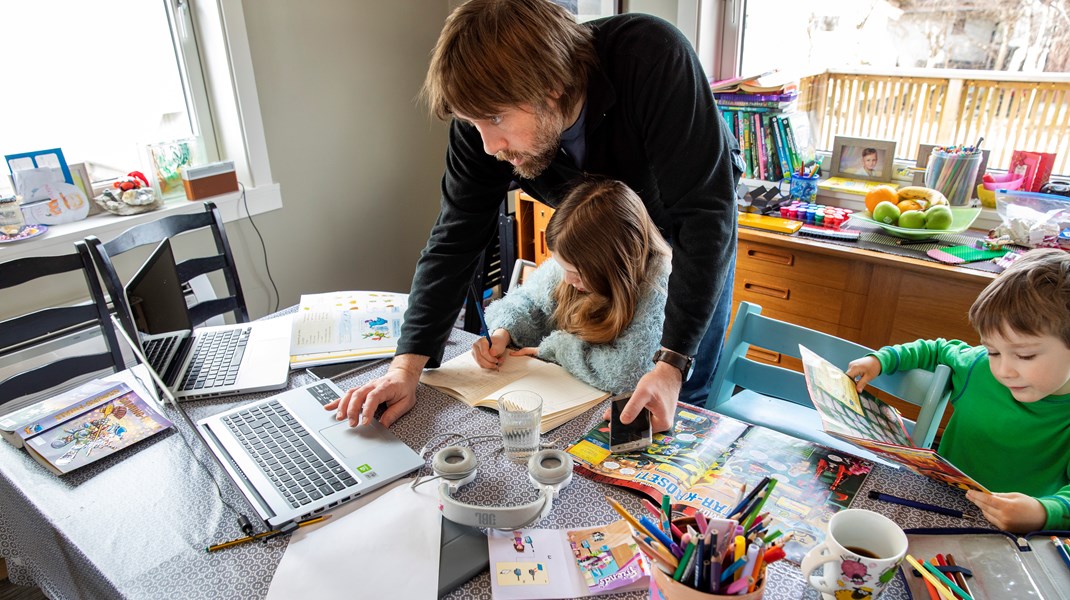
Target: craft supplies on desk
x=953, y=171
x=776, y=224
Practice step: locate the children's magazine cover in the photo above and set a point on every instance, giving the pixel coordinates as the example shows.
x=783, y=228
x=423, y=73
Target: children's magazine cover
x=345, y=326
x=103, y=430
x=870, y=423
x=46, y=414
x=527, y=564
x=707, y=461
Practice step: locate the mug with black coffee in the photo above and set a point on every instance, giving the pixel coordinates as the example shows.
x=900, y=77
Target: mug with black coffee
x=860, y=555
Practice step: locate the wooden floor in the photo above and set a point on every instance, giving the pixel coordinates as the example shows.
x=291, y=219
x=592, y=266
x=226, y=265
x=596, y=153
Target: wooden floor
x=10, y=591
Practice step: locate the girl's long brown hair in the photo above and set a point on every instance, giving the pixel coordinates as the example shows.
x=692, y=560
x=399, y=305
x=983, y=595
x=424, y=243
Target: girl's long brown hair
x=603, y=229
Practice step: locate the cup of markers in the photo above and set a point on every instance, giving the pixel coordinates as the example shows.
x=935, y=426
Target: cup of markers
x=832, y=217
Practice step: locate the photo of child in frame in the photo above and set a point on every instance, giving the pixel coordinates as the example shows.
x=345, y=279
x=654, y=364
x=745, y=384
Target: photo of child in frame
x=866, y=162
x=863, y=158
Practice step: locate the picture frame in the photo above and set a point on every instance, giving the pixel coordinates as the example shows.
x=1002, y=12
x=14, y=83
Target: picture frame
x=853, y=158
x=588, y=10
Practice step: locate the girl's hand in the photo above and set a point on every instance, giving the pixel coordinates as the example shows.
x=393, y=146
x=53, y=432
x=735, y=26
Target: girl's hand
x=528, y=351
x=491, y=355
x=863, y=370
x=1012, y=511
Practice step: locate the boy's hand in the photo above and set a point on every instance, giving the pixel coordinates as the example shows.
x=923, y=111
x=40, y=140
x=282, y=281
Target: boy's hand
x=863, y=370
x=1012, y=512
x=490, y=356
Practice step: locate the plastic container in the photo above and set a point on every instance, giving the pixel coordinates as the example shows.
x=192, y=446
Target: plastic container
x=954, y=174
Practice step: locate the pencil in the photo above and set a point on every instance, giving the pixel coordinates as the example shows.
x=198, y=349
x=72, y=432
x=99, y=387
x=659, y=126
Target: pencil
x=477, y=304
x=950, y=584
x=656, y=555
x=1061, y=549
x=959, y=577
x=264, y=534
x=943, y=591
x=627, y=516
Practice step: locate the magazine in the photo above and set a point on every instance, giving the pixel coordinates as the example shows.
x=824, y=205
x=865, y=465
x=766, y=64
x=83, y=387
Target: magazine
x=529, y=564
x=870, y=423
x=345, y=326
x=704, y=461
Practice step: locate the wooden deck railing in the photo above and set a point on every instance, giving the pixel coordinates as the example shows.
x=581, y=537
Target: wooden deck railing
x=1012, y=111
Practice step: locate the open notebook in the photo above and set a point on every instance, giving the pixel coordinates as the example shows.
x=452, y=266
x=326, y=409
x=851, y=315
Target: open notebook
x=563, y=396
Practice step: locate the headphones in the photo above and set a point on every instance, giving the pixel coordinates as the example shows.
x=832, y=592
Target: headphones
x=548, y=471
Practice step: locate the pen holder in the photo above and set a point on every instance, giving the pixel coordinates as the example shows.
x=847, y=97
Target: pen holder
x=953, y=174
x=668, y=589
x=801, y=187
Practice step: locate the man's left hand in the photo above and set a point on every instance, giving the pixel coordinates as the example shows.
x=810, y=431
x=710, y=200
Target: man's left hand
x=657, y=391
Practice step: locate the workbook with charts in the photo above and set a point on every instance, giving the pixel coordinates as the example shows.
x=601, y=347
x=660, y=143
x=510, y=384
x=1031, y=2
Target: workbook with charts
x=345, y=326
x=706, y=459
x=563, y=396
x=868, y=422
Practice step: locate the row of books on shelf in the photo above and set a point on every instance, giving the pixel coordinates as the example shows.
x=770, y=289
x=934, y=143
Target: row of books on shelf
x=767, y=141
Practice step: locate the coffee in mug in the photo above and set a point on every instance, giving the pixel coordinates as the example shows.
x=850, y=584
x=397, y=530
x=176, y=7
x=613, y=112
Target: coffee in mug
x=860, y=554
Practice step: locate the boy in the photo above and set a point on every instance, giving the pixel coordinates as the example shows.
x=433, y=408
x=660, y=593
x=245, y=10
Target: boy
x=1011, y=426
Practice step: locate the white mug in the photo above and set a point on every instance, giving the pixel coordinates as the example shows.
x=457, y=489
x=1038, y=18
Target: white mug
x=861, y=553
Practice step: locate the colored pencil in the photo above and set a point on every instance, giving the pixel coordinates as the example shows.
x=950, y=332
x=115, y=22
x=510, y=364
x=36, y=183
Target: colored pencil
x=959, y=577
x=943, y=591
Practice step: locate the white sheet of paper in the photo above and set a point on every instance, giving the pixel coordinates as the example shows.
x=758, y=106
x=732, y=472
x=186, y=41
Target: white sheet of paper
x=369, y=548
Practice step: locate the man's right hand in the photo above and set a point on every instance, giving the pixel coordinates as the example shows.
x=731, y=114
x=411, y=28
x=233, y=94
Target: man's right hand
x=396, y=390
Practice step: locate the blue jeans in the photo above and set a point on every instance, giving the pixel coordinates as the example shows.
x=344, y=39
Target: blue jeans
x=697, y=388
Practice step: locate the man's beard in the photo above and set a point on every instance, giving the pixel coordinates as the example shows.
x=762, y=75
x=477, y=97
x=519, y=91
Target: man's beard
x=547, y=140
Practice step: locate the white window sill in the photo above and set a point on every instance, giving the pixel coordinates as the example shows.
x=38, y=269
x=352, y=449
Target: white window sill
x=59, y=239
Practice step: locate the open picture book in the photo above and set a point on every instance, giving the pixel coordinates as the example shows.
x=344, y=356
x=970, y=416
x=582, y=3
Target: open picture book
x=868, y=422
x=563, y=396
x=529, y=564
x=707, y=462
x=339, y=327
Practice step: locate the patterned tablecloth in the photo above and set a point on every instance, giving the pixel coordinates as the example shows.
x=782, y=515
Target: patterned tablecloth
x=136, y=525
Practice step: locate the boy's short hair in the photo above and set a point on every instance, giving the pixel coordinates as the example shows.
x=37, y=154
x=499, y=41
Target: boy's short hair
x=499, y=54
x=1031, y=297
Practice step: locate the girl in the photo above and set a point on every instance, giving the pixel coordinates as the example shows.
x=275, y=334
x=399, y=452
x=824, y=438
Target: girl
x=597, y=307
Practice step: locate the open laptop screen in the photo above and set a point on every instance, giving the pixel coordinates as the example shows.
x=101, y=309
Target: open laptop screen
x=155, y=294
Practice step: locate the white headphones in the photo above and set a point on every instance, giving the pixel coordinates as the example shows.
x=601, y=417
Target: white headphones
x=548, y=471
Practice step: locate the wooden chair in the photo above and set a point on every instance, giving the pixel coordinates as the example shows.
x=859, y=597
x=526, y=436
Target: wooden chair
x=222, y=261
x=24, y=332
x=776, y=397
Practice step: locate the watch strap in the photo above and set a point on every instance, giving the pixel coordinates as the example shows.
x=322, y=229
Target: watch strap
x=680, y=361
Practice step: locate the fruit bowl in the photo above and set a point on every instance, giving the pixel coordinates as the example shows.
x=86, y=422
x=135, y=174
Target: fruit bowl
x=961, y=219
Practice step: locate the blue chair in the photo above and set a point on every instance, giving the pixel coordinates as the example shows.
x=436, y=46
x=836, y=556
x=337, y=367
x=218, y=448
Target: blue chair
x=776, y=398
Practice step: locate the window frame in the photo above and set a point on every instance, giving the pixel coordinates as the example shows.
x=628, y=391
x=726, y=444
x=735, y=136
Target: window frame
x=232, y=107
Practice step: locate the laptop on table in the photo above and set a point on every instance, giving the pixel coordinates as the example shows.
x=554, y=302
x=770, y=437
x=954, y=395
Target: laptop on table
x=204, y=362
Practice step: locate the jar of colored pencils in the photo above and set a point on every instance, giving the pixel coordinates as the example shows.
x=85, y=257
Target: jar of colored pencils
x=953, y=172
x=734, y=583
x=674, y=590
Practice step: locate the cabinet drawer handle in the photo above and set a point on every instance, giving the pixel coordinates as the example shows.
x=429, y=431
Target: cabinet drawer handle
x=766, y=290
x=780, y=259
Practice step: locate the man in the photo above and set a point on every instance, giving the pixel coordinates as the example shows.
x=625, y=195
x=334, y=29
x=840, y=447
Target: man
x=537, y=98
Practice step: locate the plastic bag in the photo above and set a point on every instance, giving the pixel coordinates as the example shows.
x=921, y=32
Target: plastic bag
x=1032, y=219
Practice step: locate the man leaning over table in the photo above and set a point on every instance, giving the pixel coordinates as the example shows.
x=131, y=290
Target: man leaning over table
x=537, y=98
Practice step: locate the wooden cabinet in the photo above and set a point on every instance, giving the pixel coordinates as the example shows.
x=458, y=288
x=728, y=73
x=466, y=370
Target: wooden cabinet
x=532, y=217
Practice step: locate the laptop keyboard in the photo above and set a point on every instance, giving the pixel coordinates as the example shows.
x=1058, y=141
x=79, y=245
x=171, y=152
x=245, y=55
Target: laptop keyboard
x=157, y=350
x=216, y=359
x=296, y=463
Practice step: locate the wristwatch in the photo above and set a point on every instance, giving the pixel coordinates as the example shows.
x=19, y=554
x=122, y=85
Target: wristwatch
x=680, y=361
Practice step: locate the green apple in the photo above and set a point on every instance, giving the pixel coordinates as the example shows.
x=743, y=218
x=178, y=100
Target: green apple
x=912, y=219
x=938, y=217
x=886, y=212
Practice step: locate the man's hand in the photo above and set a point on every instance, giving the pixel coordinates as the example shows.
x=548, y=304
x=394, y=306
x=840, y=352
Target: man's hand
x=863, y=370
x=491, y=355
x=396, y=390
x=657, y=391
x=1012, y=511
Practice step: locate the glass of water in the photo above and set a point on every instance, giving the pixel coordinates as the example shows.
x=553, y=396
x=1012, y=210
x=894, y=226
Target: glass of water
x=520, y=413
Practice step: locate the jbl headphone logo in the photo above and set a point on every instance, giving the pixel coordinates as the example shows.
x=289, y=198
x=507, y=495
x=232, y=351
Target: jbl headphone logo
x=486, y=519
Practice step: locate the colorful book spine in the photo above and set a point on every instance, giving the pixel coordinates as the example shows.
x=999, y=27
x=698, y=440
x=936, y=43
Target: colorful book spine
x=775, y=168
x=776, y=98
x=744, y=145
x=759, y=138
x=793, y=148
x=785, y=158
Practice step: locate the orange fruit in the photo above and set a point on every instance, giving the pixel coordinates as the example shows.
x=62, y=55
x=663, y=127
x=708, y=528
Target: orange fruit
x=881, y=193
x=905, y=205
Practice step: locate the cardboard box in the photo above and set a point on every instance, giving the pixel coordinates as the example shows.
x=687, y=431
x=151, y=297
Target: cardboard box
x=209, y=180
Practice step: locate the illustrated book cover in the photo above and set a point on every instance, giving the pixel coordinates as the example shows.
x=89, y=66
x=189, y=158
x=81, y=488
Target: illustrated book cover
x=706, y=461
x=870, y=423
x=563, y=396
x=529, y=564
x=97, y=425
x=344, y=326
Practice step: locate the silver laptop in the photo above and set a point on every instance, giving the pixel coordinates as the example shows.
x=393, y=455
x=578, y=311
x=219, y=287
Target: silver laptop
x=207, y=361
x=292, y=459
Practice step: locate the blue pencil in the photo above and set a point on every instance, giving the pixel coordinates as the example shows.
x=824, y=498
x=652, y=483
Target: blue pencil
x=1063, y=554
x=477, y=304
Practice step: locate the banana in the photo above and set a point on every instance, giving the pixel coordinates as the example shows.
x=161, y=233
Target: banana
x=927, y=197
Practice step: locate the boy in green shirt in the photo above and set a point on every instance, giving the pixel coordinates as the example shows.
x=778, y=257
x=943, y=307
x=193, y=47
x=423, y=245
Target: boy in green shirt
x=1011, y=426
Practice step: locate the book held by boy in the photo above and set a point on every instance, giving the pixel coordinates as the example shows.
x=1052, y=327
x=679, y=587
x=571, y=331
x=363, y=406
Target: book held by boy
x=563, y=396
x=529, y=564
x=90, y=422
x=870, y=423
x=345, y=326
x=706, y=458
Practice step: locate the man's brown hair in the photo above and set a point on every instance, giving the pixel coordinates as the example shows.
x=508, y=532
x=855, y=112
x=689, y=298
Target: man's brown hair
x=498, y=54
x=1031, y=297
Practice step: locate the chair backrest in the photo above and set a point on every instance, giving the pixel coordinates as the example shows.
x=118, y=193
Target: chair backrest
x=23, y=332
x=167, y=227
x=927, y=389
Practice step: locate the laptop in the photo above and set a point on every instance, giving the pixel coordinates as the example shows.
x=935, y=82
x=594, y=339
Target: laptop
x=293, y=459
x=205, y=362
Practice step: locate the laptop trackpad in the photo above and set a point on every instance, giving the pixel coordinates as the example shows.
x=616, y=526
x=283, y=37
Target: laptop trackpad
x=353, y=442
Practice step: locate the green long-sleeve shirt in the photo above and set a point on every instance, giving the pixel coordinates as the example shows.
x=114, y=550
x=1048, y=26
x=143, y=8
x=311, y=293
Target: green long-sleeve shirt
x=1006, y=445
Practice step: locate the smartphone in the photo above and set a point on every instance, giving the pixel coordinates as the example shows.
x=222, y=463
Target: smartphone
x=634, y=435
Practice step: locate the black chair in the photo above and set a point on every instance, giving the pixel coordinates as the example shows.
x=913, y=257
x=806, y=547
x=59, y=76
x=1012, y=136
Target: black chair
x=168, y=227
x=24, y=332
